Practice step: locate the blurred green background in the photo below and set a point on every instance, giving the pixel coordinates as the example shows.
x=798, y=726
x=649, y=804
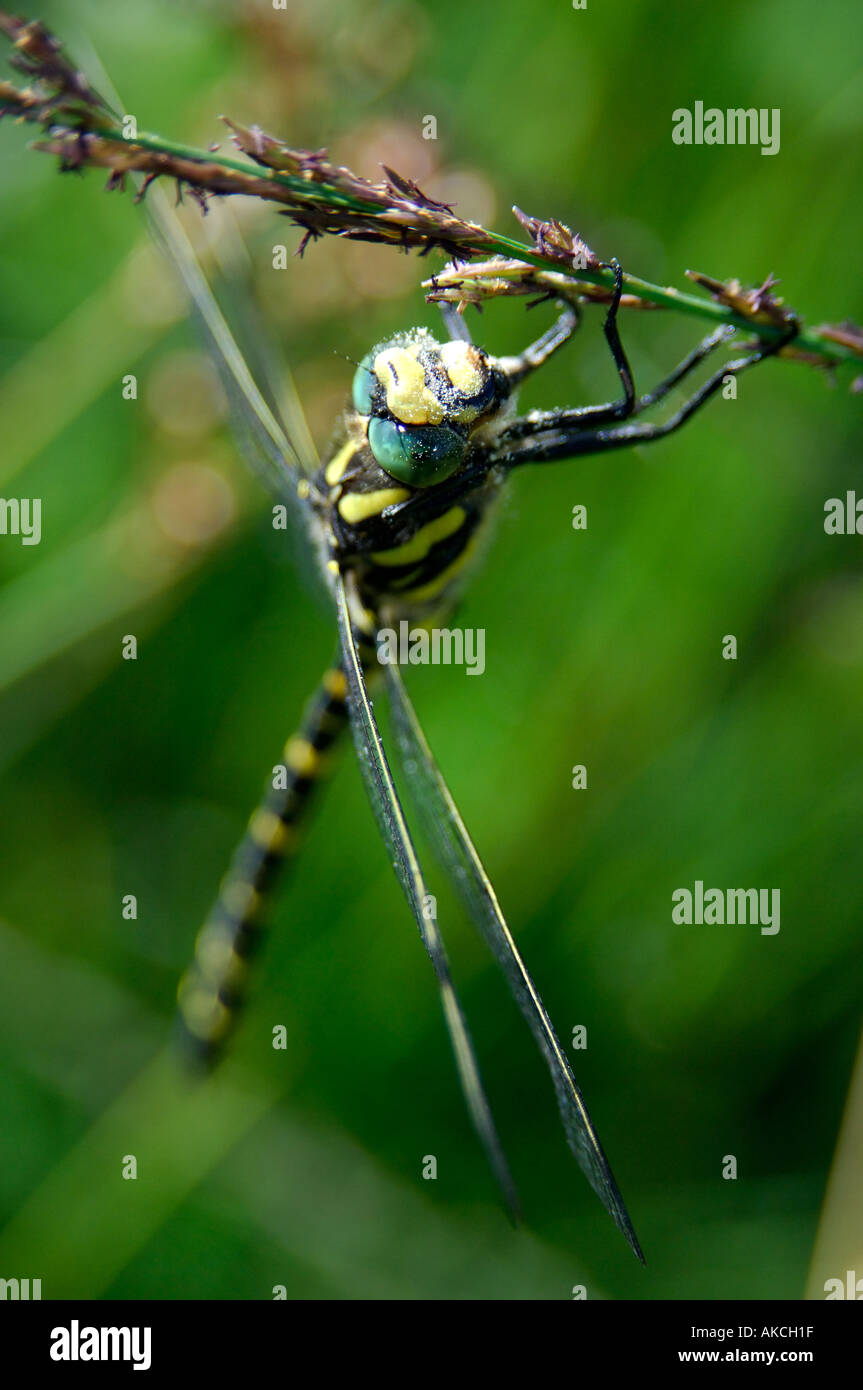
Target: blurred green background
x=302, y=1168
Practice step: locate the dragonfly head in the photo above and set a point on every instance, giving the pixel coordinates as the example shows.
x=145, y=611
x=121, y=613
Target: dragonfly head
x=422, y=399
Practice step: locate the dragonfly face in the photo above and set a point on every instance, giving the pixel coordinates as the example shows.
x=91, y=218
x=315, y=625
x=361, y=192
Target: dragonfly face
x=421, y=399
x=407, y=487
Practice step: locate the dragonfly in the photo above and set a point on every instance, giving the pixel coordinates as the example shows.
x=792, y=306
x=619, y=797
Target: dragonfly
x=394, y=516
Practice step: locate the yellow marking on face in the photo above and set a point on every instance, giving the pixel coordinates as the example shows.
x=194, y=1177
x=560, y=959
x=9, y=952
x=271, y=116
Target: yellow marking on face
x=418, y=547
x=360, y=506
x=302, y=757
x=466, y=369
x=339, y=462
x=334, y=683
x=408, y=397
x=204, y=1014
x=464, y=366
x=270, y=832
x=241, y=900
x=439, y=583
x=303, y=489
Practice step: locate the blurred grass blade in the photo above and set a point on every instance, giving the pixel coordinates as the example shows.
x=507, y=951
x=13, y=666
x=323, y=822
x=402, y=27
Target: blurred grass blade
x=839, y=1241
x=37, y=401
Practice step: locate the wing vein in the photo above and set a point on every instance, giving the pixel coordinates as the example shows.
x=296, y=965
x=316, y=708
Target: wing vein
x=388, y=811
x=460, y=859
x=246, y=397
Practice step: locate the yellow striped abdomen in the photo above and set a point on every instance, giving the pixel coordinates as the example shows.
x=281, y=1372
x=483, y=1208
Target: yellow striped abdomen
x=213, y=989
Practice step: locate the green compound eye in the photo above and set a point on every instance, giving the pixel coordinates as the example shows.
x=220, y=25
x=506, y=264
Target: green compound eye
x=419, y=455
x=364, y=385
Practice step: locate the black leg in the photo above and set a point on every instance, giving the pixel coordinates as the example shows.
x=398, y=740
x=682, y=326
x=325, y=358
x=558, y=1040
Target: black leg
x=515, y=369
x=621, y=409
x=553, y=443
x=698, y=354
x=588, y=415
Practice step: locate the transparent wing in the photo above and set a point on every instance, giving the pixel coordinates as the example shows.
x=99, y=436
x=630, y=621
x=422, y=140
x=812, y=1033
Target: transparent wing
x=280, y=454
x=267, y=365
x=448, y=833
x=280, y=458
x=396, y=836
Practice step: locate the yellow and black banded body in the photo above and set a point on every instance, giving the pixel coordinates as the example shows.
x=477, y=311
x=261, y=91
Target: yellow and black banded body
x=399, y=504
x=407, y=488
x=213, y=988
